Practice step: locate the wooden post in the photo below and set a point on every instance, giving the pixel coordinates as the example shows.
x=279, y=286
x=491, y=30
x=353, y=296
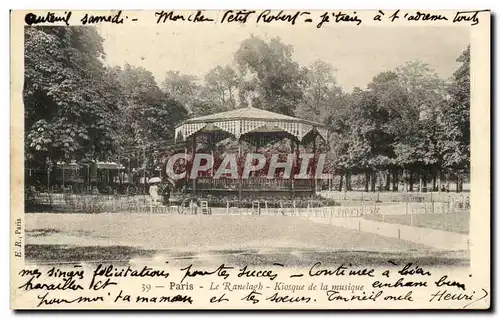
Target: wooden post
x=331, y=213
x=292, y=177
x=144, y=173
x=193, y=155
x=238, y=169
x=186, y=163
x=411, y=217
x=315, y=164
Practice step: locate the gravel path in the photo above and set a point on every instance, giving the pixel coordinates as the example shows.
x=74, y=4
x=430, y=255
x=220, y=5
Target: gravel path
x=198, y=233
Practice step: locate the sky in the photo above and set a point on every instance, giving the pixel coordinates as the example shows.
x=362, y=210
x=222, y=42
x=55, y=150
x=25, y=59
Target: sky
x=358, y=53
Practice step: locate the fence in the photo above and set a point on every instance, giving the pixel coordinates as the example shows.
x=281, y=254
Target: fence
x=351, y=207
x=395, y=197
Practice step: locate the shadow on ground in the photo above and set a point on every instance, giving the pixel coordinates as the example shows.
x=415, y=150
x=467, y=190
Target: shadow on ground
x=60, y=254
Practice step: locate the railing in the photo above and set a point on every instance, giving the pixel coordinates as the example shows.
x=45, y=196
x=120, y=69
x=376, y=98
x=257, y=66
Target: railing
x=396, y=197
x=251, y=183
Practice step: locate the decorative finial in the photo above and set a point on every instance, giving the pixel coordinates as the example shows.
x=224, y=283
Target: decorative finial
x=249, y=101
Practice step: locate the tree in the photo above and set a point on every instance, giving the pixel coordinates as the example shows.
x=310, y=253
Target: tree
x=149, y=115
x=221, y=88
x=71, y=105
x=455, y=119
x=182, y=88
x=321, y=94
x=415, y=123
x=268, y=68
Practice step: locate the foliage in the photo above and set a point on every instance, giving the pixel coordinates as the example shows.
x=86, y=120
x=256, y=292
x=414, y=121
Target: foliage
x=77, y=108
x=67, y=96
x=455, y=117
x=271, y=76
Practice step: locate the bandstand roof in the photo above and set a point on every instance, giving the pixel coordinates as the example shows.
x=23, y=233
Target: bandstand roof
x=249, y=119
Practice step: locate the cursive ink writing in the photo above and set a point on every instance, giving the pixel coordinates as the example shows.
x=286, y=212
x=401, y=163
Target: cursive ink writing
x=67, y=284
x=423, y=16
x=171, y=299
x=399, y=283
x=410, y=270
x=58, y=273
x=467, y=16
x=50, y=17
x=277, y=299
x=252, y=296
x=445, y=295
x=244, y=272
x=339, y=271
x=163, y=17
x=28, y=272
x=485, y=294
x=44, y=300
x=267, y=16
x=220, y=271
x=339, y=17
x=334, y=295
x=111, y=271
x=111, y=18
x=444, y=282
x=342, y=270
x=218, y=299
x=240, y=16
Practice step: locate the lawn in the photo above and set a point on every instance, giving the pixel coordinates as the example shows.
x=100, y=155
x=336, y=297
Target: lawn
x=457, y=222
x=235, y=239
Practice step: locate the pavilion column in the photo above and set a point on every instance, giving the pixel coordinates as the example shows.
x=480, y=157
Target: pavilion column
x=292, y=175
x=315, y=164
x=238, y=169
x=193, y=140
x=297, y=156
x=212, y=148
x=186, y=164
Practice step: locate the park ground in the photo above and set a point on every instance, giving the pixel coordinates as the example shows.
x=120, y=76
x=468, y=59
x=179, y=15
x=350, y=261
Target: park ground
x=239, y=239
x=457, y=222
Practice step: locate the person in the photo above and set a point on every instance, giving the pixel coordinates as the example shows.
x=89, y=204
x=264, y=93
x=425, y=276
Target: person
x=166, y=194
x=153, y=192
x=193, y=204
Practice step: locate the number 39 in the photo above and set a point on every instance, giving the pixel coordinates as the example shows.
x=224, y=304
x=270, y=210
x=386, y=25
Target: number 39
x=146, y=288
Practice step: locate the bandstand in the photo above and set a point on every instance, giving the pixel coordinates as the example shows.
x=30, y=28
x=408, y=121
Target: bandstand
x=250, y=130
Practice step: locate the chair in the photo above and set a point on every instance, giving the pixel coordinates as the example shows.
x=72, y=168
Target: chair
x=205, y=210
x=255, y=207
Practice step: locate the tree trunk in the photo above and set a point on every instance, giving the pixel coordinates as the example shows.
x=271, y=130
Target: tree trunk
x=419, y=181
x=434, y=182
x=388, y=181
x=459, y=182
x=447, y=183
x=439, y=180
x=374, y=181
x=367, y=181
x=348, y=185
x=424, y=182
x=341, y=181
x=410, y=181
x=395, y=181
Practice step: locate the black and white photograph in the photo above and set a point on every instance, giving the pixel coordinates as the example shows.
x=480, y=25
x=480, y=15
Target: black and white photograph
x=249, y=140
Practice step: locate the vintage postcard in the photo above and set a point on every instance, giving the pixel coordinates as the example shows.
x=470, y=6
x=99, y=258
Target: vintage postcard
x=250, y=159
